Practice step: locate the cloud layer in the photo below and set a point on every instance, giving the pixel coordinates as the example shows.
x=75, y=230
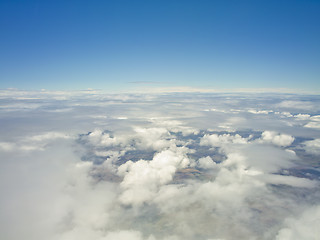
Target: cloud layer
x=86, y=165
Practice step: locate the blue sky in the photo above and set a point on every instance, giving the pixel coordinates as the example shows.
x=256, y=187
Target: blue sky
x=120, y=45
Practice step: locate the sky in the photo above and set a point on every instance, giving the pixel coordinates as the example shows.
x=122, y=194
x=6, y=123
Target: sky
x=125, y=45
x=159, y=120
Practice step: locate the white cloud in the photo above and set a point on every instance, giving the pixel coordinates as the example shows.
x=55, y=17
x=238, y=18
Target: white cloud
x=7, y=146
x=48, y=136
x=314, y=123
x=296, y=104
x=315, y=118
x=267, y=158
x=312, y=147
x=282, y=140
x=98, y=137
x=143, y=178
x=154, y=138
x=304, y=227
x=286, y=114
x=302, y=116
x=206, y=163
x=289, y=180
x=32, y=192
x=216, y=140
x=253, y=111
x=123, y=235
x=35, y=142
x=144, y=171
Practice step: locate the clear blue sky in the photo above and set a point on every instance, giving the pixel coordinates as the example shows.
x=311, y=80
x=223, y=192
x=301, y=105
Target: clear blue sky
x=116, y=44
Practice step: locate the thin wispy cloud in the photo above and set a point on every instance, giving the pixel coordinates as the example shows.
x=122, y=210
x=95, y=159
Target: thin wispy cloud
x=146, y=82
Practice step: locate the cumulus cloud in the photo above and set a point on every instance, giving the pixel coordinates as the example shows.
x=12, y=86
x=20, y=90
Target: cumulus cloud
x=142, y=179
x=314, y=123
x=304, y=227
x=154, y=138
x=216, y=140
x=206, y=162
x=162, y=172
x=312, y=147
x=302, y=116
x=98, y=137
x=253, y=111
x=284, y=114
x=282, y=140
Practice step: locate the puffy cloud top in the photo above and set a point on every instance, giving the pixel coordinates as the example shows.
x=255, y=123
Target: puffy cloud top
x=74, y=168
x=282, y=140
x=143, y=178
x=312, y=146
x=216, y=140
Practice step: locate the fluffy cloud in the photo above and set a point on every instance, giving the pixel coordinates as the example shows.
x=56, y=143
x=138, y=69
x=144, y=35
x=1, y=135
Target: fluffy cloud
x=282, y=140
x=302, y=116
x=158, y=173
x=312, y=147
x=304, y=227
x=253, y=111
x=314, y=123
x=98, y=137
x=216, y=140
x=206, y=162
x=154, y=138
x=142, y=179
